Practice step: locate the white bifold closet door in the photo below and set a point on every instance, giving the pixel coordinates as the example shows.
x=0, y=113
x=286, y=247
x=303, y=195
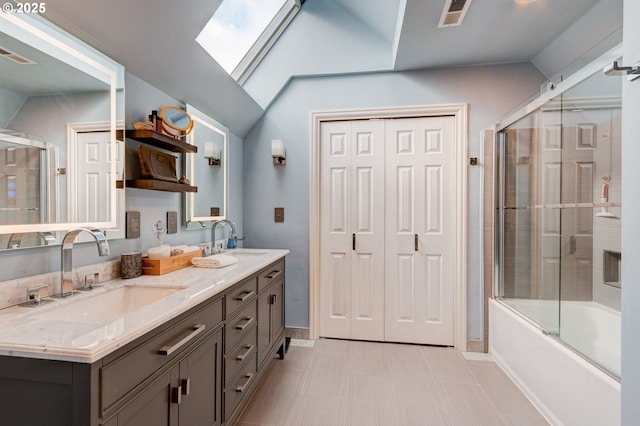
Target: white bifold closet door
x=387, y=230
x=419, y=240
x=352, y=229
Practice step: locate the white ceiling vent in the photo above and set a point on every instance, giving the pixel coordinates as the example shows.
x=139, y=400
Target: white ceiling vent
x=4, y=53
x=453, y=13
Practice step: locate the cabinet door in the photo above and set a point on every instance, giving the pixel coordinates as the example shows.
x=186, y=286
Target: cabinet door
x=153, y=406
x=277, y=310
x=201, y=384
x=270, y=318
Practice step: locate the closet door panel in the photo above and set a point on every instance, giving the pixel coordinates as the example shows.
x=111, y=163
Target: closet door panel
x=335, y=229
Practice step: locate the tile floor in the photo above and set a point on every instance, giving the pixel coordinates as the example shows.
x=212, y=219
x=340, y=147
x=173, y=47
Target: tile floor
x=338, y=382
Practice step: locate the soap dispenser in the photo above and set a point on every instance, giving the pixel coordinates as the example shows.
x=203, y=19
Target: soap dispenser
x=232, y=242
x=162, y=250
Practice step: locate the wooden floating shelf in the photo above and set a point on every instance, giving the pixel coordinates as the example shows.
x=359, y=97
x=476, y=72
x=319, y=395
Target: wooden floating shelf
x=160, y=140
x=160, y=185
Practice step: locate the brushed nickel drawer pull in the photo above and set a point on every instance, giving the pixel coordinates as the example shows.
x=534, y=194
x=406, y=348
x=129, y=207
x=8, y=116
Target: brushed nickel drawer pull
x=241, y=389
x=247, y=322
x=185, y=384
x=176, y=395
x=247, y=294
x=241, y=357
x=169, y=349
x=273, y=274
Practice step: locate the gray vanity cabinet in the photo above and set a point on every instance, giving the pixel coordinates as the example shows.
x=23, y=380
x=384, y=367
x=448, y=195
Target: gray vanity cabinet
x=199, y=368
x=240, y=342
x=171, y=378
x=271, y=312
x=193, y=395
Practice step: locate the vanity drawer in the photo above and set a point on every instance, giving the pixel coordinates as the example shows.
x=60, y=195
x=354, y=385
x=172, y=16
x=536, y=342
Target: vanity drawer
x=240, y=387
x=270, y=274
x=240, y=295
x=240, y=324
x=239, y=355
x=125, y=372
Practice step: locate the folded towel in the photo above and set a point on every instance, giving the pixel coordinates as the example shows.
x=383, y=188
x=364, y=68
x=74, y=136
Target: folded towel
x=216, y=261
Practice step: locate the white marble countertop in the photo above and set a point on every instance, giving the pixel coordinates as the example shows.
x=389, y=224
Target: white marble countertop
x=44, y=331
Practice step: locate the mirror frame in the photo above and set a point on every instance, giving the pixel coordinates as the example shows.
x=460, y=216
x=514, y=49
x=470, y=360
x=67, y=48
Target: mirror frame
x=50, y=39
x=199, y=222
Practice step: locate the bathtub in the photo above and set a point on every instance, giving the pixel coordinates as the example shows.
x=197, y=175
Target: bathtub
x=566, y=388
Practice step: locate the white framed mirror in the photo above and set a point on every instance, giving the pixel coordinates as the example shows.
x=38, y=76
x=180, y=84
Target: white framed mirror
x=61, y=103
x=206, y=169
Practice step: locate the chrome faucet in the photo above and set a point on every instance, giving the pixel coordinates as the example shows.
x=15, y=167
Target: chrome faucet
x=67, y=251
x=16, y=239
x=213, y=233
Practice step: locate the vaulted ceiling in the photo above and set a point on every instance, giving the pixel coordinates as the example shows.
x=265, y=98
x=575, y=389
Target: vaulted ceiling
x=155, y=41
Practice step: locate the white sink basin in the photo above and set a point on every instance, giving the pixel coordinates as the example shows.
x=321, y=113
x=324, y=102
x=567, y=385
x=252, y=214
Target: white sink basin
x=108, y=306
x=245, y=254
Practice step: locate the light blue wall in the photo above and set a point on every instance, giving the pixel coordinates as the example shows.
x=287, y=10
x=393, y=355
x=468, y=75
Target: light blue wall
x=490, y=92
x=140, y=99
x=630, y=224
x=324, y=38
x=599, y=22
x=11, y=103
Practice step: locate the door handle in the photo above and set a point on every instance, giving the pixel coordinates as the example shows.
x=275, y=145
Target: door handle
x=353, y=241
x=415, y=242
x=573, y=245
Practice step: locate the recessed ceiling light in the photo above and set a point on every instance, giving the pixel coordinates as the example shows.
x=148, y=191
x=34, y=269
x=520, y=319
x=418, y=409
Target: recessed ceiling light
x=522, y=2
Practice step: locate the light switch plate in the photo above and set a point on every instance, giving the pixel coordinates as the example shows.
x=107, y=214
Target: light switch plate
x=172, y=222
x=133, y=224
x=279, y=214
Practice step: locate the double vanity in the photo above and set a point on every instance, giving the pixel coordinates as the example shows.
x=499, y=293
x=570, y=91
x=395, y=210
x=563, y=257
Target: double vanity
x=187, y=347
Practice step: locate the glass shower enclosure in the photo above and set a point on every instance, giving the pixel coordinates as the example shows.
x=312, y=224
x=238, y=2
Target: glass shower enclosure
x=559, y=216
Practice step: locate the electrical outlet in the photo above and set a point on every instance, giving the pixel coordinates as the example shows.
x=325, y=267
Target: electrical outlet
x=279, y=214
x=133, y=224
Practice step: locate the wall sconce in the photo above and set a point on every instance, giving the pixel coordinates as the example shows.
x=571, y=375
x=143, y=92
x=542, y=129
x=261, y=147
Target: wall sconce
x=212, y=153
x=277, y=152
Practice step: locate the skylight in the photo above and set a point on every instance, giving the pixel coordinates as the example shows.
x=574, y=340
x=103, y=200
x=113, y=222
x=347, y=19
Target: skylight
x=240, y=32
